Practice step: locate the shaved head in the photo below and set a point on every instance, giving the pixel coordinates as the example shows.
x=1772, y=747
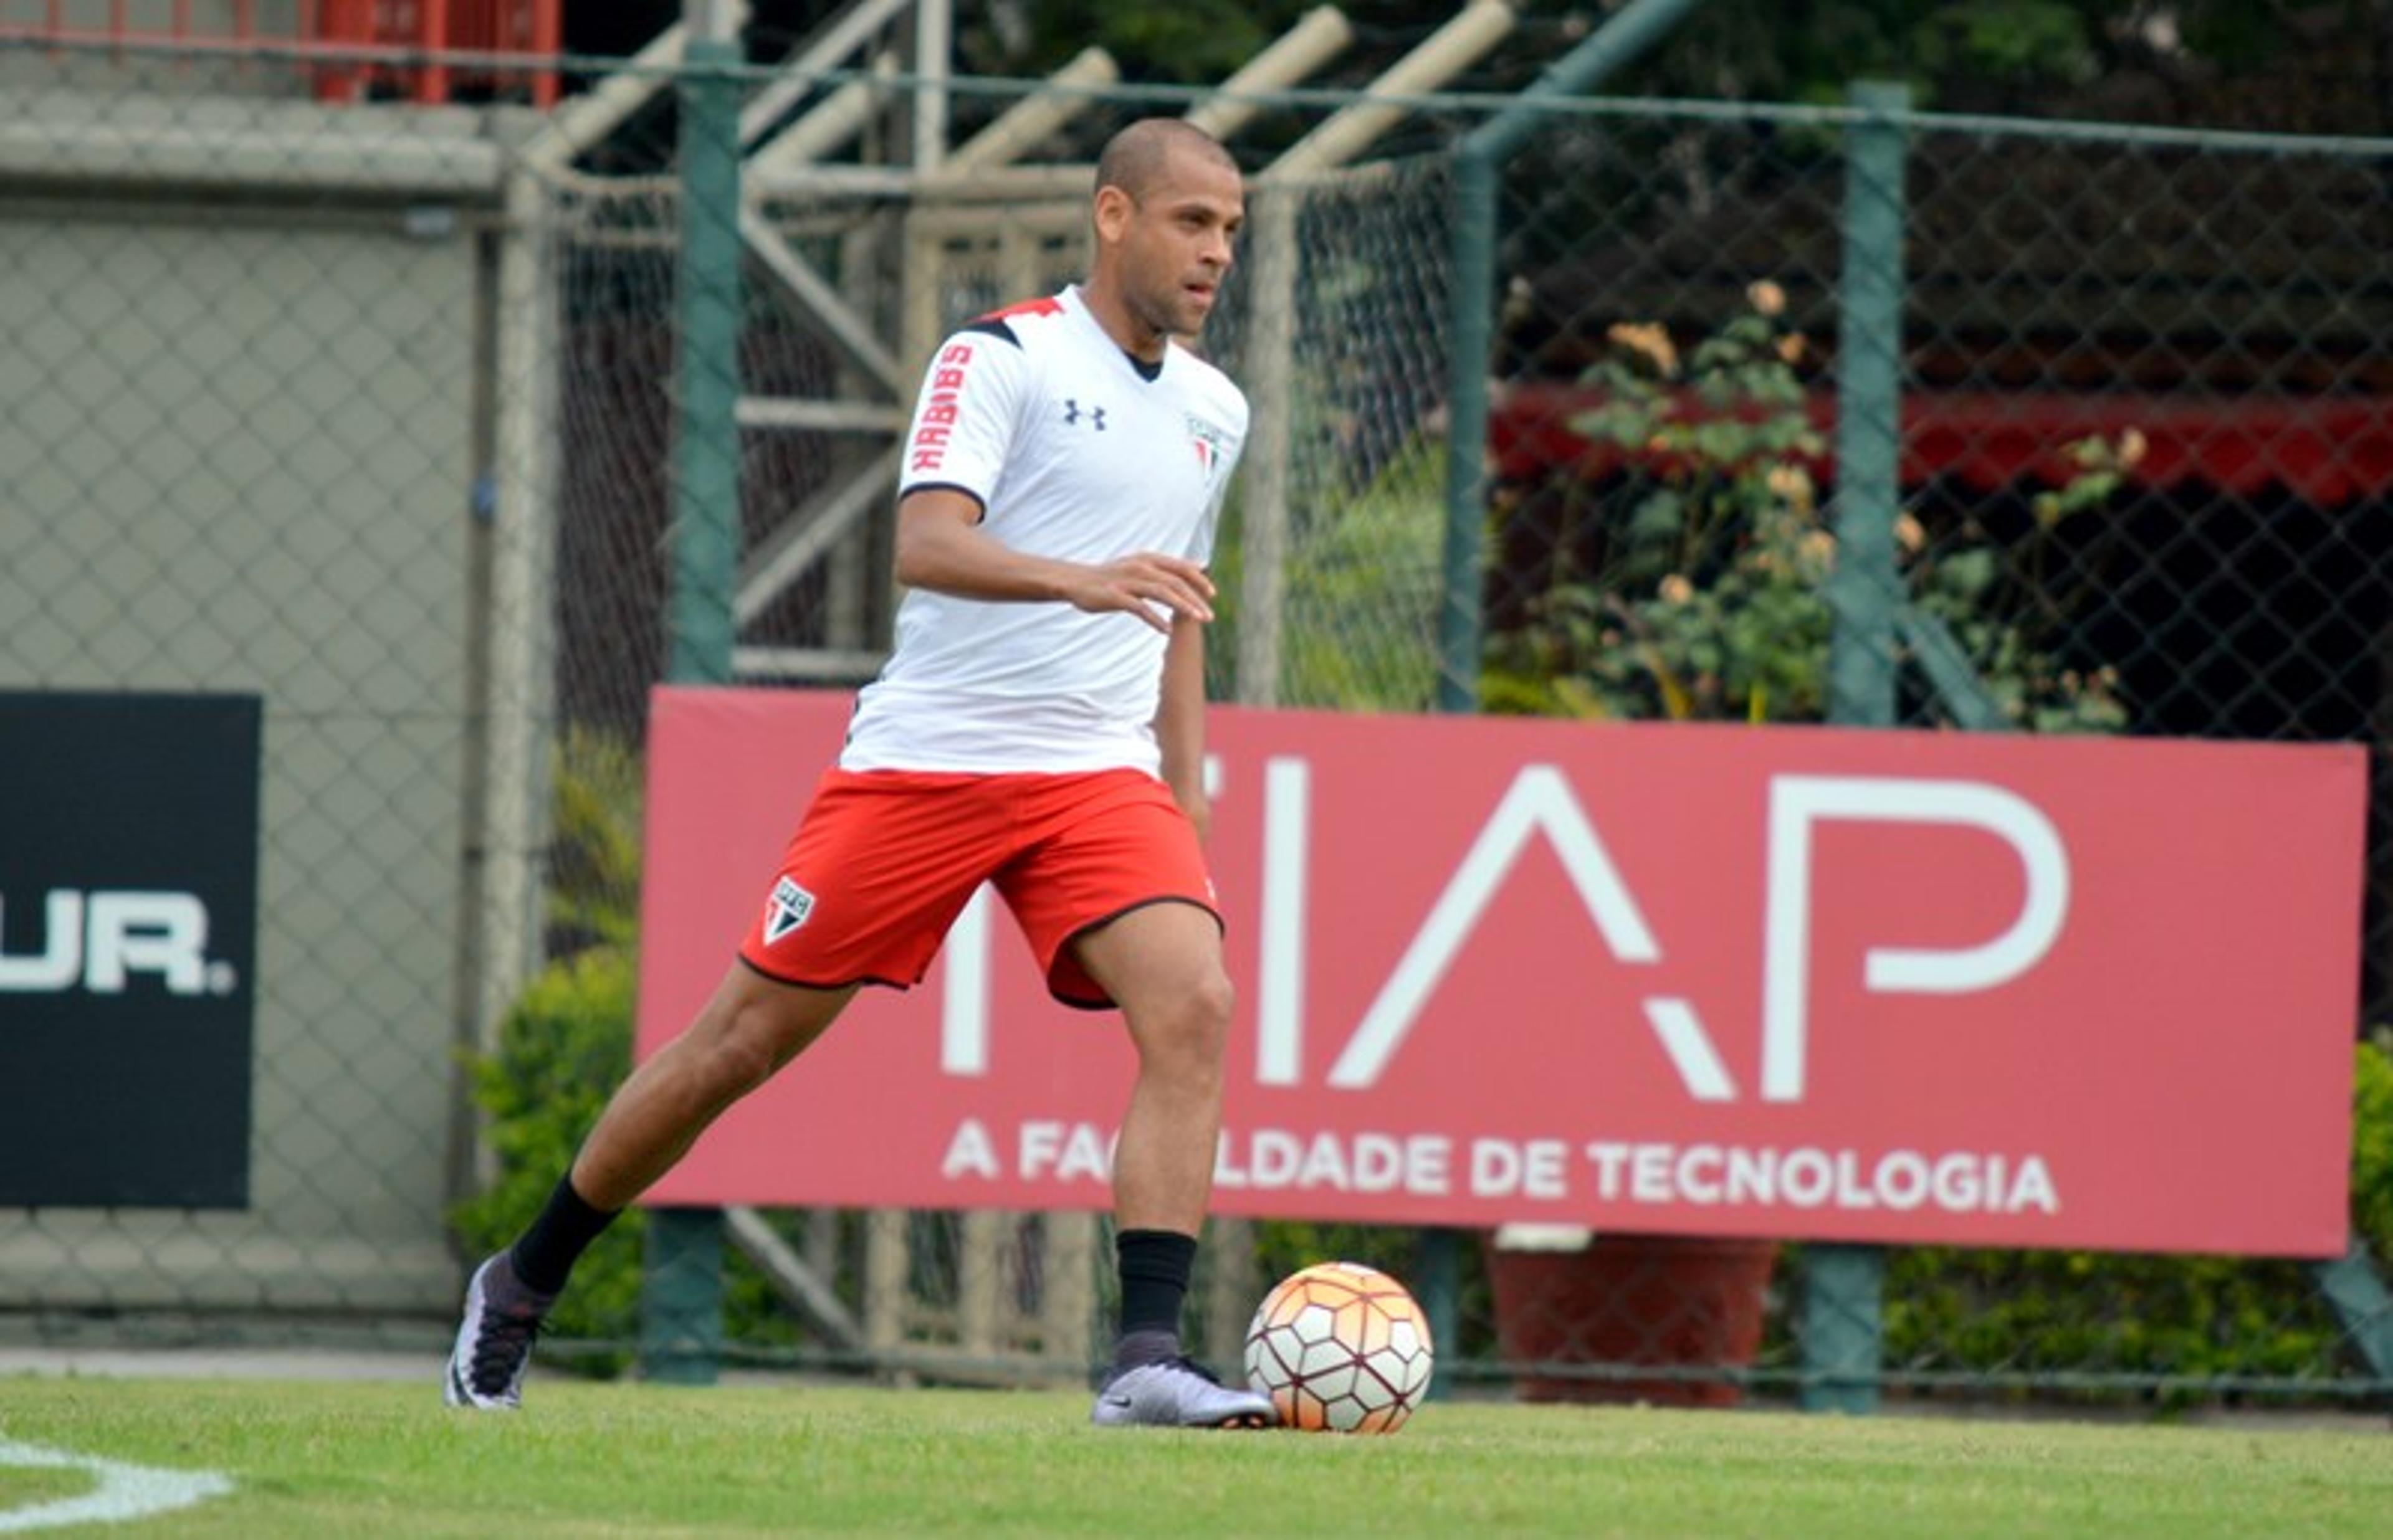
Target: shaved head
x=1136, y=159
x=1166, y=217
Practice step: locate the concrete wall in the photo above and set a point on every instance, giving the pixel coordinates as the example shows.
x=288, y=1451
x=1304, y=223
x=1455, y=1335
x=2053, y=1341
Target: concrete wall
x=201, y=70
x=239, y=451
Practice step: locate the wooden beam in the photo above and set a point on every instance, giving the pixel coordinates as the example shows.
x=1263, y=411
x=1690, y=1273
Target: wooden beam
x=802, y=71
x=1444, y=54
x=1320, y=35
x=813, y=1300
x=1028, y=122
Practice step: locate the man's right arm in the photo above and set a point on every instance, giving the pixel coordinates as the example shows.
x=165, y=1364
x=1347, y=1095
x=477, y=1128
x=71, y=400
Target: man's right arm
x=942, y=546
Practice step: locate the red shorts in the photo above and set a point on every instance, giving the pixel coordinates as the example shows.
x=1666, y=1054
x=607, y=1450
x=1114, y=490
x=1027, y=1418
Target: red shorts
x=884, y=860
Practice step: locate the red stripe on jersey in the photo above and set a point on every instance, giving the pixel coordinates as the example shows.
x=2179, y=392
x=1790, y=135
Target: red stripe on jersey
x=1050, y=305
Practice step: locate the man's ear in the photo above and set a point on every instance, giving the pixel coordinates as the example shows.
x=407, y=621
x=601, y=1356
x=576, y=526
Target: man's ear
x=1113, y=213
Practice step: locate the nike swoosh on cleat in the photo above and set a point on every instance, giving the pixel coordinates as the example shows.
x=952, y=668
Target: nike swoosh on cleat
x=1117, y=1401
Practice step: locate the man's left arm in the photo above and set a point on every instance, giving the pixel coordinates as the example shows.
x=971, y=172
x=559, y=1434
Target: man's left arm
x=1180, y=721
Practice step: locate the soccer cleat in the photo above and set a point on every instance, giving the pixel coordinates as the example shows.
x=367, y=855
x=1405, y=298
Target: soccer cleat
x=485, y=1369
x=1178, y=1394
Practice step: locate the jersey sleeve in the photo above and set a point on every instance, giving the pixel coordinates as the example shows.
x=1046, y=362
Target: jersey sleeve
x=965, y=416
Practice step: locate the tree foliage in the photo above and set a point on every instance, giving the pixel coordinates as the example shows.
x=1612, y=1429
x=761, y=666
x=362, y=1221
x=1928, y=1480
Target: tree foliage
x=2152, y=59
x=2088, y=57
x=1188, y=42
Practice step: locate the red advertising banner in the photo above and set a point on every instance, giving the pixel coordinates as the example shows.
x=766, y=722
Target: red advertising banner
x=1801, y=983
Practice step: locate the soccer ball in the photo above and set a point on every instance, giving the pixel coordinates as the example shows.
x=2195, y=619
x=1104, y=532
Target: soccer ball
x=1340, y=1348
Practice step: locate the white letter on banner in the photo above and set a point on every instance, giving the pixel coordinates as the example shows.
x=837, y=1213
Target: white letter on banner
x=1280, y=1003
x=964, y=1011
x=1690, y=1052
x=164, y=933
x=970, y=1153
x=1799, y=802
x=59, y=962
x=1539, y=798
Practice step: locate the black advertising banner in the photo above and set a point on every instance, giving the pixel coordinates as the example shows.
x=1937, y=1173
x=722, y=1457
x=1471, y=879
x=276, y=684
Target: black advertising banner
x=128, y=917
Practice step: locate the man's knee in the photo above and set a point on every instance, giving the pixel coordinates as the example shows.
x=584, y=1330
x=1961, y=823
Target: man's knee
x=1212, y=1001
x=744, y=1038
x=1189, y=1024
x=736, y=1059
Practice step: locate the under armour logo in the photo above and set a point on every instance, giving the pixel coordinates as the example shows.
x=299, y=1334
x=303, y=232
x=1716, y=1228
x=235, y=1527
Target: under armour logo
x=1072, y=414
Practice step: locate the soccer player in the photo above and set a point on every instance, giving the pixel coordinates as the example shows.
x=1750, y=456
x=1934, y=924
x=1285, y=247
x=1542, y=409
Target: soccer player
x=1038, y=725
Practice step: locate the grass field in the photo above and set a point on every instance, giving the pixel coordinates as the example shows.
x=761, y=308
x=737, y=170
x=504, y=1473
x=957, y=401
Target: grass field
x=371, y=1460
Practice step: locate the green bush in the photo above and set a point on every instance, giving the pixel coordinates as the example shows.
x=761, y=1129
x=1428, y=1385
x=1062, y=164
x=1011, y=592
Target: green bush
x=1713, y=603
x=563, y=1049
x=1713, y=606
x=594, y=862
x=1361, y=590
x=2371, y=1146
x=561, y=1053
x=2083, y=1313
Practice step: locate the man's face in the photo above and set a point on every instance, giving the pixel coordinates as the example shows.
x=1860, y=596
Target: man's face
x=1174, y=242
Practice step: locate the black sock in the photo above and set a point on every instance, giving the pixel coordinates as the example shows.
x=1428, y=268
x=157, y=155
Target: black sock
x=544, y=1257
x=1155, y=1269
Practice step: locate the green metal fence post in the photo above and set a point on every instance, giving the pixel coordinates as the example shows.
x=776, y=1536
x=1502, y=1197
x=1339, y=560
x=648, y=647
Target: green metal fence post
x=2361, y=1304
x=1843, y=1286
x=705, y=540
x=1471, y=330
x=1866, y=591
x=681, y=1296
x=1470, y=327
x=1843, y=1329
x=1476, y=225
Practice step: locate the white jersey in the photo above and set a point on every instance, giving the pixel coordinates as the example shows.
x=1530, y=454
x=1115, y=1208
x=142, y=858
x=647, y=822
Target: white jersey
x=1076, y=452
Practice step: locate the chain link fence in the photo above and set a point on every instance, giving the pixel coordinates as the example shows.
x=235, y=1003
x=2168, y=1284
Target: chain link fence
x=2142, y=472
x=244, y=420
x=371, y=411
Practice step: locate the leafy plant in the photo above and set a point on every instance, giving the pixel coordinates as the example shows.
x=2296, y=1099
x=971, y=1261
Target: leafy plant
x=2371, y=1145
x=1713, y=603
x=2083, y=1312
x=564, y=1047
x=594, y=875
x=1374, y=560
x=561, y=1051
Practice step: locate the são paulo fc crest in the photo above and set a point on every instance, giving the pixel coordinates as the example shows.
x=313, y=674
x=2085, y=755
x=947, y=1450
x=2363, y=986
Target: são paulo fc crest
x=1209, y=441
x=786, y=911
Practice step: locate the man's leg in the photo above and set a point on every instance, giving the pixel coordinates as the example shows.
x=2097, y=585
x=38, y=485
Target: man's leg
x=748, y=1030
x=1162, y=964
x=751, y=1027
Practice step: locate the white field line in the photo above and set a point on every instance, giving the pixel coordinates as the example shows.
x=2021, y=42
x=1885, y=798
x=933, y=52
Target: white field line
x=123, y=1491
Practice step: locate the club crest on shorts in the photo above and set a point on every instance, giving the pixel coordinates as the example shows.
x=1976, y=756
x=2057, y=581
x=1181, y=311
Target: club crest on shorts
x=786, y=911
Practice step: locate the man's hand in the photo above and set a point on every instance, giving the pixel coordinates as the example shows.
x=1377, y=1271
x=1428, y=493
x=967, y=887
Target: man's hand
x=1198, y=808
x=1155, y=588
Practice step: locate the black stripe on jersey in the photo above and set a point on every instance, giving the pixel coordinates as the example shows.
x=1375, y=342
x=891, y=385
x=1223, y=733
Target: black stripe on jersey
x=947, y=487
x=992, y=326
